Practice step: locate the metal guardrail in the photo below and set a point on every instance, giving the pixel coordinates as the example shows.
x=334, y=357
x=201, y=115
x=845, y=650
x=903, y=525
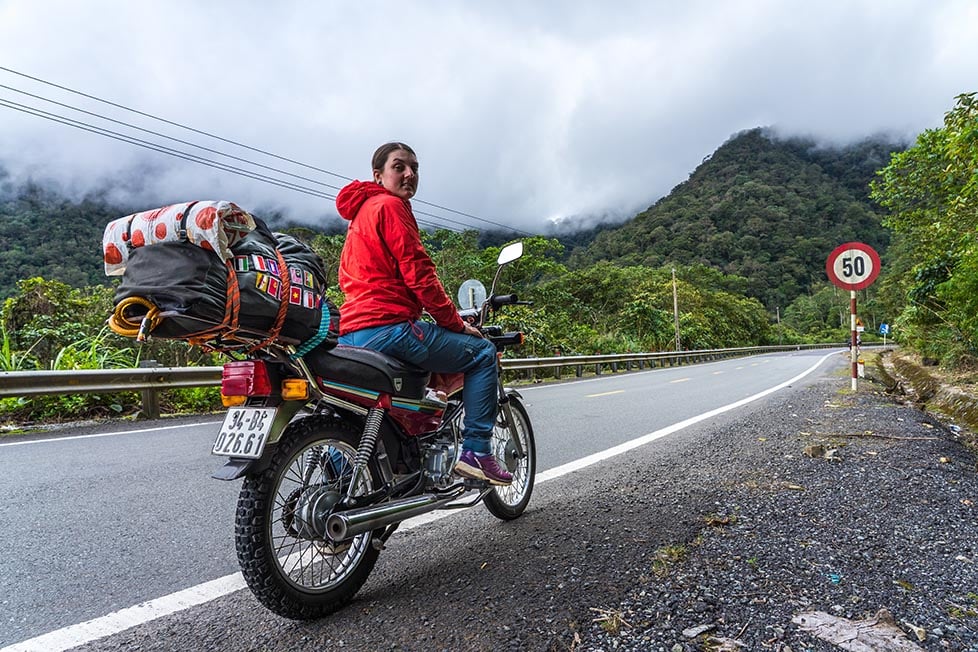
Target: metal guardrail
x=151, y=380
x=640, y=360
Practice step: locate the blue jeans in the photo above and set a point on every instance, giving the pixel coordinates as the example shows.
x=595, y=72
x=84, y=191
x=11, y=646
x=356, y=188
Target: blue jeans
x=438, y=349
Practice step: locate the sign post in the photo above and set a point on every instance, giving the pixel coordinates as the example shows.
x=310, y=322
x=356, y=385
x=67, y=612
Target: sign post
x=853, y=266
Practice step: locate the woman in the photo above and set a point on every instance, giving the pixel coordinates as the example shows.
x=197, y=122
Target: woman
x=388, y=279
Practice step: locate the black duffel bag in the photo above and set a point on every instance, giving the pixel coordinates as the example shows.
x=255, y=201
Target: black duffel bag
x=272, y=289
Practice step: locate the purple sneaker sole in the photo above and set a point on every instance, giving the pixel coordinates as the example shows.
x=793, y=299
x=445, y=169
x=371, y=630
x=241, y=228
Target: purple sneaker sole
x=467, y=469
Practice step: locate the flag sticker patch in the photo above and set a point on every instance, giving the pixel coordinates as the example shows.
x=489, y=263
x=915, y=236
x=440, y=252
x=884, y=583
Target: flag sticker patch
x=274, y=287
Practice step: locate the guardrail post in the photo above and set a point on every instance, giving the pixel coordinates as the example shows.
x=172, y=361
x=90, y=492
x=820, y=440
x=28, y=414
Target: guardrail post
x=579, y=370
x=150, y=397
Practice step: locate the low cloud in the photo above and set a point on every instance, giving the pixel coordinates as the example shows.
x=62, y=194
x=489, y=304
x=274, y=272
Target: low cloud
x=521, y=115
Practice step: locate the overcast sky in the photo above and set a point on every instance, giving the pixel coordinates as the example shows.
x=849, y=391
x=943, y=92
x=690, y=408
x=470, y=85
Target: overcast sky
x=521, y=112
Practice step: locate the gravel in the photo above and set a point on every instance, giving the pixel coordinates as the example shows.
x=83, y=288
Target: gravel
x=879, y=514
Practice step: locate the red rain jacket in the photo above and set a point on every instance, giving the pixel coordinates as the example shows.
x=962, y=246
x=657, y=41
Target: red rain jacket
x=385, y=272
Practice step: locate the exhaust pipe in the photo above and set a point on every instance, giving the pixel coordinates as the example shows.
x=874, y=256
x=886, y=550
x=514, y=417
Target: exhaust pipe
x=348, y=524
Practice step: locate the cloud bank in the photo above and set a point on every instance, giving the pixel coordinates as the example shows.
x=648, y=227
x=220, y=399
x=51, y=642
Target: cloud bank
x=521, y=113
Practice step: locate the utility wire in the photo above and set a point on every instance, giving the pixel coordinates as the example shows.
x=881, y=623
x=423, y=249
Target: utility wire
x=189, y=156
x=248, y=147
x=161, y=135
x=161, y=148
x=202, y=147
x=176, y=153
x=185, y=155
x=170, y=122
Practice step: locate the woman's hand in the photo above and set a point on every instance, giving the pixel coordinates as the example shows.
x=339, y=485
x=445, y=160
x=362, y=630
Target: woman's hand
x=472, y=330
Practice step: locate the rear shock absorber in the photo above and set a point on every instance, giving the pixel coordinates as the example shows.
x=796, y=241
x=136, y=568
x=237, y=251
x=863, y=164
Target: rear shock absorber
x=368, y=440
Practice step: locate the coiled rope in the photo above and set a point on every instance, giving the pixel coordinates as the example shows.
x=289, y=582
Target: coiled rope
x=123, y=320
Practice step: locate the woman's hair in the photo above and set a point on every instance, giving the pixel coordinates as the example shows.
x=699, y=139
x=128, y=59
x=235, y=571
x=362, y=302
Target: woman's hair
x=384, y=151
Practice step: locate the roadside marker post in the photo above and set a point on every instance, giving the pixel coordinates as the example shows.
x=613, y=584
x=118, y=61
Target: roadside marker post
x=853, y=266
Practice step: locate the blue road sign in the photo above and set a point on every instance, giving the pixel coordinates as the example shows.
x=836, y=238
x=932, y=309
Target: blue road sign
x=884, y=329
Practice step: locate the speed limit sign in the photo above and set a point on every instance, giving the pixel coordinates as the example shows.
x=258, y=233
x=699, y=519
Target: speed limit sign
x=853, y=266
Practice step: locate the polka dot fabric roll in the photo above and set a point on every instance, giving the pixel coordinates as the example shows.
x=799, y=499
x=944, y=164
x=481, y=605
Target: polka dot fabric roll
x=212, y=225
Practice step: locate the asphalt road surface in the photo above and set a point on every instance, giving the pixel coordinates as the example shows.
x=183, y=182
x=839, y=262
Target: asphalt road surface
x=98, y=521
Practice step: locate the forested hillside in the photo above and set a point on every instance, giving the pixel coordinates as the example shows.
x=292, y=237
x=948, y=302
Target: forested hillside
x=44, y=234
x=764, y=209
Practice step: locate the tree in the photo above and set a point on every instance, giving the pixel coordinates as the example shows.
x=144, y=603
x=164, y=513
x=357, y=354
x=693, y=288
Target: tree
x=931, y=191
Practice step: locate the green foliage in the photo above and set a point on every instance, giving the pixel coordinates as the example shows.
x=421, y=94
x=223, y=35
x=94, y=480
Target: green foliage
x=606, y=308
x=93, y=353
x=45, y=234
x=931, y=191
x=192, y=400
x=48, y=315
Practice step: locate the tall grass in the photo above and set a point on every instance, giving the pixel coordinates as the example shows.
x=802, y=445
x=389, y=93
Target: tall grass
x=11, y=359
x=94, y=353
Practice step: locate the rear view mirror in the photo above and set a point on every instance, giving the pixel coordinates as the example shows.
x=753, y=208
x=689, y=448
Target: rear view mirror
x=509, y=253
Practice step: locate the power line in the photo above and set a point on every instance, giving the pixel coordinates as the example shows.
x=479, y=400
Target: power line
x=188, y=156
x=161, y=135
x=71, y=122
x=161, y=148
x=178, y=154
x=236, y=143
x=175, y=124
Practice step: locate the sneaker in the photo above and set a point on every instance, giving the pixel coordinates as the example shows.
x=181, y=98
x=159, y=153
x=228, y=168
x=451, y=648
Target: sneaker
x=482, y=467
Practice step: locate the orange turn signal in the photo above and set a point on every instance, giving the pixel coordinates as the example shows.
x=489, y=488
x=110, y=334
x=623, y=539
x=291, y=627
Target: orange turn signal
x=295, y=389
x=232, y=401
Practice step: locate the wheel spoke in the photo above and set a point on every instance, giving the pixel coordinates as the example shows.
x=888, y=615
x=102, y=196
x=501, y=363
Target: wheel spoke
x=314, y=564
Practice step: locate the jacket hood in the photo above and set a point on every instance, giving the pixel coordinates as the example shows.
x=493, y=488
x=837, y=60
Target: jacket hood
x=354, y=194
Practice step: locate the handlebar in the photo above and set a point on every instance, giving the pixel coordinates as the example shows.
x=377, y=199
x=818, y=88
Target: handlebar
x=495, y=335
x=497, y=301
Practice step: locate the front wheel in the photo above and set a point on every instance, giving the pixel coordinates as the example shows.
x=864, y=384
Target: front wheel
x=508, y=502
x=290, y=566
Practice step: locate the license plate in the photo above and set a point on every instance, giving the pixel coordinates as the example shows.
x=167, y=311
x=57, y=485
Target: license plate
x=244, y=432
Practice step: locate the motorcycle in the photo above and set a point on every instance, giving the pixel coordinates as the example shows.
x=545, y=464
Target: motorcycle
x=338, y=447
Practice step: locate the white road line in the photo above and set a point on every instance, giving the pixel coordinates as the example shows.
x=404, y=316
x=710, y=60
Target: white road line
x=617, y=391
x=105, y=434
x=584, y=462
x=119, y=621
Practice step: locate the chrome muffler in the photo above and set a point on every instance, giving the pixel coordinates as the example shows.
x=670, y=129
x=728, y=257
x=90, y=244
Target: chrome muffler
x=348, y=524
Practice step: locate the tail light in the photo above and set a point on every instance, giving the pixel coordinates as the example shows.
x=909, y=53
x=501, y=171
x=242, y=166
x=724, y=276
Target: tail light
x=243, y=379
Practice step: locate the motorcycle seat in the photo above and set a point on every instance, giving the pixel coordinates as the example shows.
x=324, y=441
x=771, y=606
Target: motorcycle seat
x=368, y=369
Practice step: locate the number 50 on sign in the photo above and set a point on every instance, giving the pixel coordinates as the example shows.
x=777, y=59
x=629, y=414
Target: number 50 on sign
x=853, y=266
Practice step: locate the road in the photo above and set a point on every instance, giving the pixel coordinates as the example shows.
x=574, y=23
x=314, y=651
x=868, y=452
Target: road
x=93, y=522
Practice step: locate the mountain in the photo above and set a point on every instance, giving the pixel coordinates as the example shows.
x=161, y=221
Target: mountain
x=767, y=209
x=42, y=233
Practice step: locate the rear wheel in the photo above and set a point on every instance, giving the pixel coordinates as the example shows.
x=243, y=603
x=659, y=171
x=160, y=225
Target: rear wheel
x=509, y=502
x=289, y=565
